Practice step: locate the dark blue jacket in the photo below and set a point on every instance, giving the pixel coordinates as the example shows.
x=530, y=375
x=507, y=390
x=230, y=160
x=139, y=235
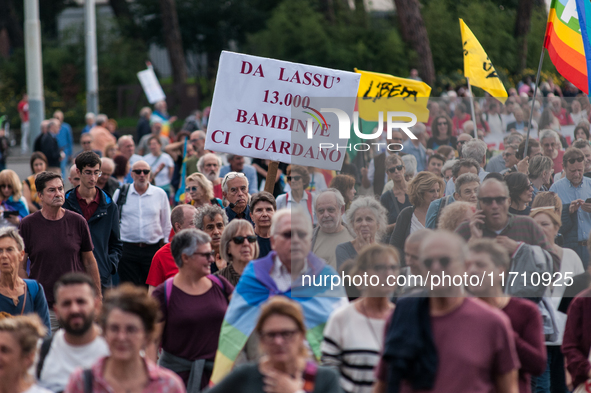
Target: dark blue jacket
x=104, y=231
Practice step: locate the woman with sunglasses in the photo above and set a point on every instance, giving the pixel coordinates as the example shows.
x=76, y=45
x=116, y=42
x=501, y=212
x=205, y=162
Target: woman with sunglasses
x=193, y=304
x=238, y=246
x=128, y=321
x=285, y=366
x=442, y=133
x=13, y=205
x=367, y=218
x=298, y=180
x=570, y=263
x=521, y=192
x=396, y=199
x=200, y=191
x=38, y=164
x=353, y=336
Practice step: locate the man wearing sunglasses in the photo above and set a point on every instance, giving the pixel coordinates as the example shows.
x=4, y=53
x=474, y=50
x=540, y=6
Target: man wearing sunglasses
x=585, y=147
x=101, y=214
x=145, y=224
x=575, y=190
x=523, y=239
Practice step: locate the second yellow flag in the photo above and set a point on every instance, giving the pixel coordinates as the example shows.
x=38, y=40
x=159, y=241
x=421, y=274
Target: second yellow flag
x=478, y=67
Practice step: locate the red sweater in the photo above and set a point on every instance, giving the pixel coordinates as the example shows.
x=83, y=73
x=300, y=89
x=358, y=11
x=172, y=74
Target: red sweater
x=577, y=338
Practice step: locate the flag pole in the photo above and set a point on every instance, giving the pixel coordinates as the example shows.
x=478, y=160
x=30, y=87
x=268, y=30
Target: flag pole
x=533, y=102
x=472, y=107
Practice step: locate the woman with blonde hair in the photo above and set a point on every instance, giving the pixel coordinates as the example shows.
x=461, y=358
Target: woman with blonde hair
x=111, y=150
x=13, y=204
x=570, y=264
x=454, y=214
x=353, y=336
x=199, y=191
x=367, y=218
x=548, y=198
x=284, y=366
x=422, y=190
x=18, y=343
x=238, y=246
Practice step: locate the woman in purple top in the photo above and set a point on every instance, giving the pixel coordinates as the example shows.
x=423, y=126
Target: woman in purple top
x=488, y=257
x=193, y=304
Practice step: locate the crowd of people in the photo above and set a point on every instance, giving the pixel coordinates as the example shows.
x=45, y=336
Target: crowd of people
x=168, y=268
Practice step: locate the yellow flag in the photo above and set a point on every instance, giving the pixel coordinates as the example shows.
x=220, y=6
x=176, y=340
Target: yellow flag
x=383, y=93
x=478, y=67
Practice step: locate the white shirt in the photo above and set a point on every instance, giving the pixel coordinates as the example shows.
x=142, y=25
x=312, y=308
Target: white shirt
x=281, y=275
x=37, y=389
x=145, y=218
x=282, y=202
x=63, y=358
x=415, y=224
x=162, y=178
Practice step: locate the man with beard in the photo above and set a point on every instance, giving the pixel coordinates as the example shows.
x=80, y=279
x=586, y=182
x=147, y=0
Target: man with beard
x=235, y=189
x=210, y=165
x=57, y=241
x=79, y=343
x=330, y=232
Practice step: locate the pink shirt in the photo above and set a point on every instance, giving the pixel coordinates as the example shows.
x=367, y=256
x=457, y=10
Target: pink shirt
x=160, y=380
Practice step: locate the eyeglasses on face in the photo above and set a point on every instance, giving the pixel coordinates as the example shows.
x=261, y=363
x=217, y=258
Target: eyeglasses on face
x=206, y=255
x=443, y=261
x=398, y=168
x=231, y=176
x=294, y=178
x=441, y=123
x=288, y=234
x=508, y=154
x=6, y=186
x=192, y=189
x=85, y=142
x=285, y=335
x=240, y=239
x=578, y=159
x=489, y=200
x=140, y=171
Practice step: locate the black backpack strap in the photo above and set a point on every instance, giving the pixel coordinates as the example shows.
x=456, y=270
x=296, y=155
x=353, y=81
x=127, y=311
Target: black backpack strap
x=444, y=202
x=88, y=380
x=43, y=354
x=122, y=198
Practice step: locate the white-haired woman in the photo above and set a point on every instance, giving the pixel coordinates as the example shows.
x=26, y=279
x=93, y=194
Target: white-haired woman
x=238, y=246
x=353, y=336
x=193, y=304
x=367, y=217
x=199, y=191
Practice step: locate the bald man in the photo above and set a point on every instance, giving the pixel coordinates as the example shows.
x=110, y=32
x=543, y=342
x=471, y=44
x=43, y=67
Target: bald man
x=74, y=177
x=145, y=223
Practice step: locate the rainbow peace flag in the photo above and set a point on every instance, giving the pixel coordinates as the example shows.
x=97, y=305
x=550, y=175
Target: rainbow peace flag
x=564, y=42
x=584, y=11
x=255, y=288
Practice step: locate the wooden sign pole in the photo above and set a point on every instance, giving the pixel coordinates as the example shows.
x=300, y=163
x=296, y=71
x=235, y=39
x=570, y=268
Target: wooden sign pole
x=271, y=176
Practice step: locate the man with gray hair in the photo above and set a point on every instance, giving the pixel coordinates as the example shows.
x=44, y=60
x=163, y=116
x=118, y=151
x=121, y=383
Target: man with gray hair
x=584, y=146
x=236, y=164
x=552, y=148
x=197, y=140
x=212, y=220
x=475, y=149
x=281, y=272
x=106, y=182
x=329, y=207
x=235, y=190
x=497, y=162
x=89, y=119
x=209, y=165
x=416, y=147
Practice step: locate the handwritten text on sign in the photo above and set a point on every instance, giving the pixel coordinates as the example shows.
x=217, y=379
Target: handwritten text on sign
x=261, y=107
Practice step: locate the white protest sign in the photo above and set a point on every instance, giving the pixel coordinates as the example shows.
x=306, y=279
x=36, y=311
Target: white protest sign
x=151, y=85
x=261, y=108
